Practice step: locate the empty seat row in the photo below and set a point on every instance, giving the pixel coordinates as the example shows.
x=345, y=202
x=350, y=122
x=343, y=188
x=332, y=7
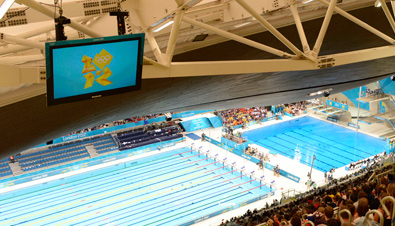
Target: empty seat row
x=106, y=150
x=5, y=169
x=55, y=162
x=5, y=174
x=53, y=158
x=105, y=146
x=151, y=141
x=62, y=152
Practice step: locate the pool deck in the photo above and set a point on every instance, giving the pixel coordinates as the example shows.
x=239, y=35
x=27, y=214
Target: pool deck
x=285, y=163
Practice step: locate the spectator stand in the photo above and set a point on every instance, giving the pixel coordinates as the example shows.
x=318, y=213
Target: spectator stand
x=243, y=116
x=147, y=135
x=5, y=170
x=82, y=163
x=53, y=155
x=75, y=150
x=299, y=201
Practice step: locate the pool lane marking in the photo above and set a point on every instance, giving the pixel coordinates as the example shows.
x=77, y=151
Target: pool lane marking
x=189, y=156
x=242, y=183
x=216, y=201
x=198, y=160
x=225, y=173
x=254, y=188
x=320, y=154
x=139, y=164
x=110, y=192
x=232, y=178
x=182, y=152
x=114, y=207
x=70, y=194
x=214, y=169
x=207, y=164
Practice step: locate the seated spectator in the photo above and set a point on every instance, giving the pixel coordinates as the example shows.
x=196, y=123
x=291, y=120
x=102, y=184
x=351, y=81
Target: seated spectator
x=319, y=216
x=344, y=215
x=362, y=209
x=388, y=205
x=328, y=214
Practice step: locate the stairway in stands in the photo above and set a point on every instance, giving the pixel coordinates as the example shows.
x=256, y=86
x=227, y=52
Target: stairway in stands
x=92, y=150
x=16, y=168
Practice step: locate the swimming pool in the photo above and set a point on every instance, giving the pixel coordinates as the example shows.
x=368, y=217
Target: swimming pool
x=300, y=139
x=178, y=187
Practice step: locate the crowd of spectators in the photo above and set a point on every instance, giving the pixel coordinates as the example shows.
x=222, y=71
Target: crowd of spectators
x=234, y=137
x=120, y=122
x=296, y=109
x=321, y=206
x=364, y=162
x=257, y=154
x=375, y=92
x=240, y=116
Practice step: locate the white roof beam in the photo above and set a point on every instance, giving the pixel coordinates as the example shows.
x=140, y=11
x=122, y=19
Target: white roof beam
x=361, y=23
x=10, y=60
x=299, y=26
x=202, y=68
x=393, y=6
x=49, y=12
x=324, y=28
x=173, y=35
x=388, y=14
x=22, y=41
x=269, y=27
x=238, y=38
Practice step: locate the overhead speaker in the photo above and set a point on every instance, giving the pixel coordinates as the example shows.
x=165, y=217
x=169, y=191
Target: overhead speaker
x=199, y=38
x=326, y=93
x=168, y=117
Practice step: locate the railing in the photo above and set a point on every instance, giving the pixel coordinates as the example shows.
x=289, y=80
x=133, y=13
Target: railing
x=285, y=195
x=338, y=214
x=390, y=161
x=232, y=166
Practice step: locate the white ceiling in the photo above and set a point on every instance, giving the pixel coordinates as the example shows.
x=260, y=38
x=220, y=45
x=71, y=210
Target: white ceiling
x=226, y=15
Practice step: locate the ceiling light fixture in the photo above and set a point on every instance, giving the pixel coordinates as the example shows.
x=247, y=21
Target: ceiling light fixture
x=377, y=3
x=324, y=92
x=164, y=26
x=307, y=1
x=241, y=25
x=4, y=6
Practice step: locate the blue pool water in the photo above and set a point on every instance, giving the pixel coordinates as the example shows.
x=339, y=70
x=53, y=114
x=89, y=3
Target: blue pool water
x=300, y=139
x=172, y=188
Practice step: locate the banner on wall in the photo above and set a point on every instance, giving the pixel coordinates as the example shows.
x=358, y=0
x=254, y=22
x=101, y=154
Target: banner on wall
x=332, y=119
x=196, y=124
x=337, y=105
x=353, y=125
x=215, y=121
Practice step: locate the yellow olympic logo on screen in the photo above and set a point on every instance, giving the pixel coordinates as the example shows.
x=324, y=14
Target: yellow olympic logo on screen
x=101, y=61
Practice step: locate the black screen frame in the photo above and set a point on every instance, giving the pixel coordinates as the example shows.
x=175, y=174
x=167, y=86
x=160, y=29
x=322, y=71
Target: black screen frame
x=51, y=101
